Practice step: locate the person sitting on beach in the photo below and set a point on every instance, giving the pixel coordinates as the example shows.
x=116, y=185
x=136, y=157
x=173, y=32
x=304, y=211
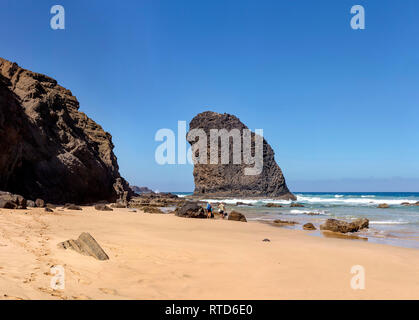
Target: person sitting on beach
x=221, y=210
x=209, y=211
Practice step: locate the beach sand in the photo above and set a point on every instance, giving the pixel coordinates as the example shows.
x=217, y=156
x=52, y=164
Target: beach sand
x=155, y=256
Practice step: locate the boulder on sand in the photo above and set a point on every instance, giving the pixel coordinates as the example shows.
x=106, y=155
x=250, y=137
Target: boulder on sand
x=12, y=201
x=191, y=210
x=39, y=203
x=343, y=226
x=85, y=244
x=102, y=207
x=48, y=210
x=237, y=216
x=309, y=226
x=70, y=206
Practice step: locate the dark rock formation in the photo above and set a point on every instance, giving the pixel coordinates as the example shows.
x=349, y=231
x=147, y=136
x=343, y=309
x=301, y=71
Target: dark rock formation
x=343, y=226
x=86, y=245
x=49, y=149
x=230, y=180
x=191, y=210
x=296, y=205
x=273, y=205
x=383, y=206
x=408, y=204
x=309, y=226
x=237, y=216
x=140, y=190
x=155, y=200
x=12, y=201
x=48, y=210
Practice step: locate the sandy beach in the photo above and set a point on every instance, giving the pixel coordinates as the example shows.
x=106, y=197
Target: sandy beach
x=161, y=256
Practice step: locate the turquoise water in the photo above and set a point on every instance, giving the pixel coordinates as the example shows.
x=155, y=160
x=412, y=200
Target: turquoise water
x=397, y=225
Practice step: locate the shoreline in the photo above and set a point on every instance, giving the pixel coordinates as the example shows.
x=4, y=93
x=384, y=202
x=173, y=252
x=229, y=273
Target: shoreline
x=161, y=256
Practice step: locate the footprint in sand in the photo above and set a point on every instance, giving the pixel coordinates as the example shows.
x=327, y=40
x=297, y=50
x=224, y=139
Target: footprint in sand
x=109, y=291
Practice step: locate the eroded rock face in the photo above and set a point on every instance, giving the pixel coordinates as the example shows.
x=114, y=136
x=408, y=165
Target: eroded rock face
x=230, y=180
x=48, y=148
x=12, y=201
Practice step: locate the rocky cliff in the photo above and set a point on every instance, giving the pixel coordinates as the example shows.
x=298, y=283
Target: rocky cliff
x=48, y=148
x=230, y=180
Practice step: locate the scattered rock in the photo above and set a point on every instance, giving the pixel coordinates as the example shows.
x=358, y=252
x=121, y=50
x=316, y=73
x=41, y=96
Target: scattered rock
x=244, y=204
x=312, y=213
x=383, y=206
x=12, y=201
x=30, y=204
x=51, y=206
x=85, y=244
x=39, y=203
x=284, y=222
x=233, y=180
x=296, y=205
x=103, y=207
x=343, y=226
x=191, y=210
x=273, y=205
x=237, y=216
x=409, y=204
x=70, y=206
x=133, y=210
x=151, y=210
x=266, y=240
x=118, y=205
x=48, y=210
x=4, y=204
x=309, y=226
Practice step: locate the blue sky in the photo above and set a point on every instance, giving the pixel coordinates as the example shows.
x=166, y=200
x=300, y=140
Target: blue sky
x=334, y=103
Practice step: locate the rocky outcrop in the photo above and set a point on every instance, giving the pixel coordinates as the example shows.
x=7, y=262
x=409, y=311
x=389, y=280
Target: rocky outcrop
x=237, y=216
x=86, y=245
x=102, y=207
x=343, y=226
x=140, y=190
x=191, y=210
x=296, y=205
x=229, y=179
x=12, y=201
x=49, y=149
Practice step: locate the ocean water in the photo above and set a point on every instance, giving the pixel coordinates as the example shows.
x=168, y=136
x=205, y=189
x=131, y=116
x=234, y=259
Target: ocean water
x=397, y=225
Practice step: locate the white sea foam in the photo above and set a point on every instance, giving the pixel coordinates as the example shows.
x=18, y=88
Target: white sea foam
x=298, y=211
x=389, y=222
x=351, y=201
x=339, y=196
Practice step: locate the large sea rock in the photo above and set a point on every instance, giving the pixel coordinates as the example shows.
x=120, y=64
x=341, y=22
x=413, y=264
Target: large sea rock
x=230, y=180
x=49, y=149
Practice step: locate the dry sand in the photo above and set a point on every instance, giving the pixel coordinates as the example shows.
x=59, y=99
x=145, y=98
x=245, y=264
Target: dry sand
x=156, y=256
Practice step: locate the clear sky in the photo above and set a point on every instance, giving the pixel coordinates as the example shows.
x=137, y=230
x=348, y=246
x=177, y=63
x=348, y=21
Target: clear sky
x=334, y=103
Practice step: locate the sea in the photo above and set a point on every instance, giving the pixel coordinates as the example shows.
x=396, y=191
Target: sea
x=397, y=225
